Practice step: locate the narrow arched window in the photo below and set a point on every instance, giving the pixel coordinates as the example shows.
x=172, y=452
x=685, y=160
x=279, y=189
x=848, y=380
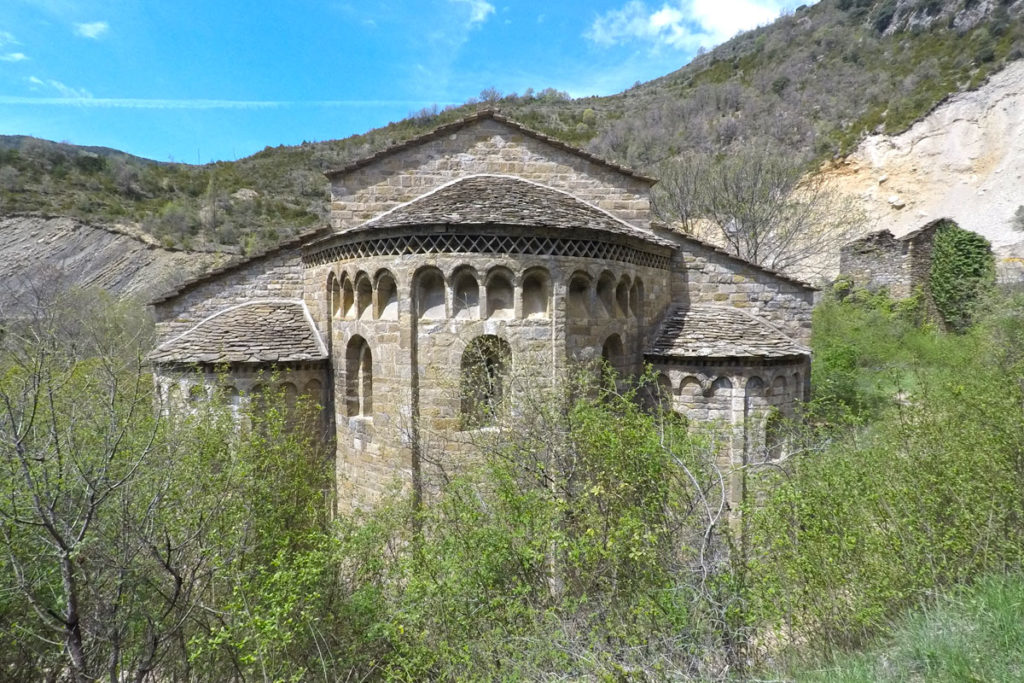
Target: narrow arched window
x=536, y=294
x=364, y=297
x=636, y=298
x=774, y=436
x=622, y=297
x=612, y=353
x=466, y=295
x=484, y=375
x=430, y=302
x=387, y=297
x=348, y=299
x=358, y=378
x=578, y=303
x=499, y=296
x=334, y=296
x=606, y=294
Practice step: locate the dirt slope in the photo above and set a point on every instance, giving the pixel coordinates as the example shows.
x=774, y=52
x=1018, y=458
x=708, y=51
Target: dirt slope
x=965, y=160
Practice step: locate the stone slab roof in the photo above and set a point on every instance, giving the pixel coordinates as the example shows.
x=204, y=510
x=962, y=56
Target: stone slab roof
x=504, y=200
x=267, y=331
x=702, y=331
x=482, y=115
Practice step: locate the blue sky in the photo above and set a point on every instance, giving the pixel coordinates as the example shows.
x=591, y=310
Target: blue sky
x=202, y=81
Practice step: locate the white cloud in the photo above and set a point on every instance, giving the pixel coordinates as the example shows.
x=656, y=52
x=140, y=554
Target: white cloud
x=92, y=29
x=13, y=57
x=479, y=10
x=7, y=38
x=83, y=98
x=682, y=24
x=65, y=91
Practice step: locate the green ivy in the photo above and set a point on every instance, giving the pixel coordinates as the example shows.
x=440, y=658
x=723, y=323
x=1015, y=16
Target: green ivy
x=963, y=268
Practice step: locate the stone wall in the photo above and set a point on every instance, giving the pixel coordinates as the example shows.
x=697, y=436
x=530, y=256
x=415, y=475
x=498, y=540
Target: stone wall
x=441, y=303
x=706, y=275
x=742, y=401
x=875, y=262
x=275, y=276
x=485, y=146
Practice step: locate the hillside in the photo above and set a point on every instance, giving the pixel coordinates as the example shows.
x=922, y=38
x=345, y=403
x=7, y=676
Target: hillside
x=965, y=161
x=43, y=253
x=813, y=84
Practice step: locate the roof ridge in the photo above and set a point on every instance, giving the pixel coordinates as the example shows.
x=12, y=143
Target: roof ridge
x=482, y=115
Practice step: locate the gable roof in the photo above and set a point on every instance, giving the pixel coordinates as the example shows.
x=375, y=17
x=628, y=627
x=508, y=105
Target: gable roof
x=484, y=115
x=702, y=331
x=263, y=331
x=487, y=199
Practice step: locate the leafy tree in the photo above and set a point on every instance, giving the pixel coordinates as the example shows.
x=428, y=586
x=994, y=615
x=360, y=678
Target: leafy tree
x=759, y=203
x=127, y=538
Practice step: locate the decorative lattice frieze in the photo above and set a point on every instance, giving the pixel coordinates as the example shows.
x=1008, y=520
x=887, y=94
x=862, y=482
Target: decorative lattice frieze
x=485, y=244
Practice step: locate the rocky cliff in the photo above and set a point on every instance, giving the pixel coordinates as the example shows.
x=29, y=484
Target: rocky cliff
x=42, y=252
x=965, y=160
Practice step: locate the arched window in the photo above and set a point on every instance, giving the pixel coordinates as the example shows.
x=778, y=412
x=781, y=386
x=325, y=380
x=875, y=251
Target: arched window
x=430, y=303
x=364, y=297
x=636, y=298
x=613, y=355
x=606, y=294
x=358, y=378
x=485, y=364
x=465, y=295
x=774, y=436
x=348, y=298
x=387, y=297
x=622, y=297
x=500, y=297
x=536, y=293
x=334, y=296
x=578, y=300
x=314, y=391
x=720, y=399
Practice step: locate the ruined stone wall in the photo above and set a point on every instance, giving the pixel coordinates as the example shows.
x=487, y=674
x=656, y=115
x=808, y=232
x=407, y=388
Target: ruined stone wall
x=708, y=276
x=875, y=262
x=917, y=262
x=486, y=146
x=881, y=261
x=276, y=276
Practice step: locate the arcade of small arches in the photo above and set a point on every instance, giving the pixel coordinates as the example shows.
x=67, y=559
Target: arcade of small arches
x=499, y=293
x=238, y=390
x=759, y=404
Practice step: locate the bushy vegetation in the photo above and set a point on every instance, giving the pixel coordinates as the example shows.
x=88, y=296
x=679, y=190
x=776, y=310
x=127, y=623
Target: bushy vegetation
x=972, y=633
x=962, y=272
x=924, y=494
x=581, y=536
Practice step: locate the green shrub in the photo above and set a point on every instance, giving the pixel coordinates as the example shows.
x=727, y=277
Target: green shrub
x=929, y=494
x=962, y=270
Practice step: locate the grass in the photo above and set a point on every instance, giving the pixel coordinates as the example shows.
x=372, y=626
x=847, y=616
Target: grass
x=971, y=634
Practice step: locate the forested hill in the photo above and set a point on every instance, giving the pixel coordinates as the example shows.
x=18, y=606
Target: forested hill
x=812, y=83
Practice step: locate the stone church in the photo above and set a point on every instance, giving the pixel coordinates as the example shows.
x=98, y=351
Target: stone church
x=480, y=250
